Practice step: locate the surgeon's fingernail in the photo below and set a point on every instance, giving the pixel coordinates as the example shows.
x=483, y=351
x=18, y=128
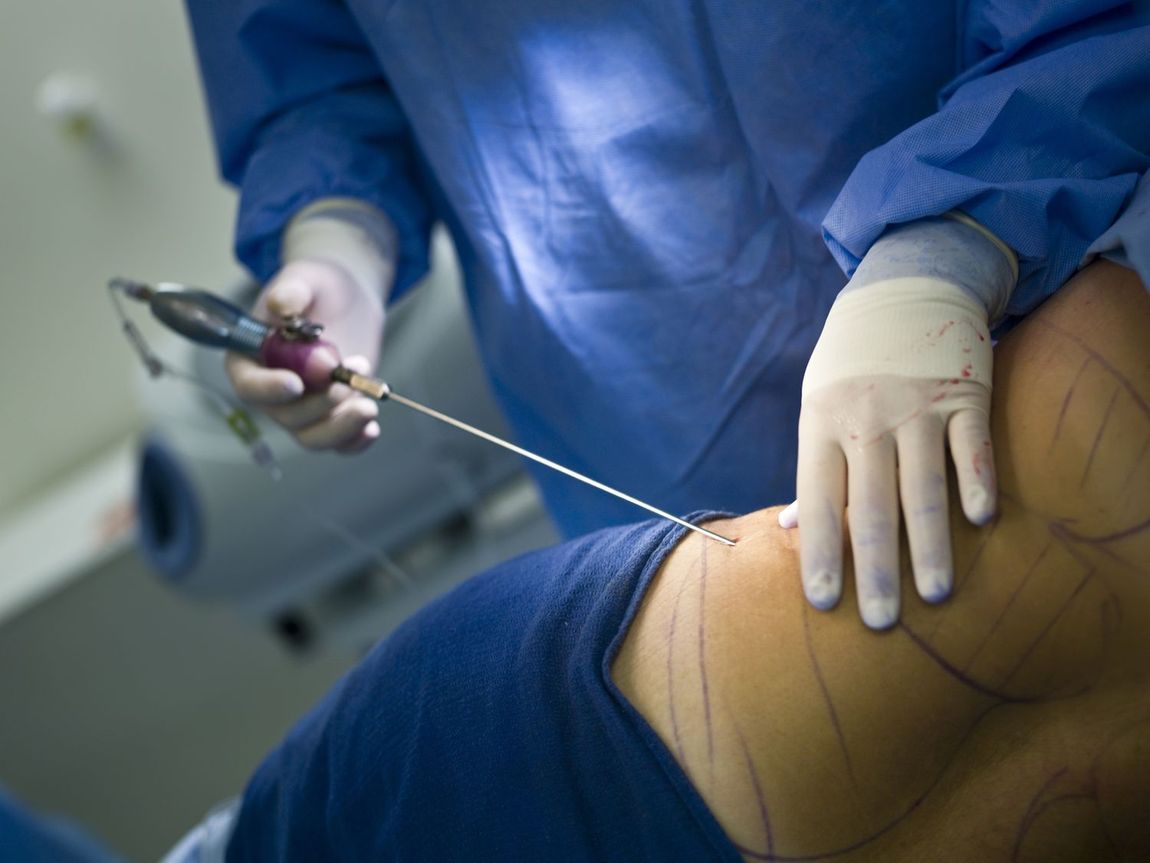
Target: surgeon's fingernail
x=979, y=505
x=789, y=517
x=879, y=612
x=366, y=438
x=822, y=589
x=358, y=363
x=934, y=585
x=293, y=387
x=289, y=296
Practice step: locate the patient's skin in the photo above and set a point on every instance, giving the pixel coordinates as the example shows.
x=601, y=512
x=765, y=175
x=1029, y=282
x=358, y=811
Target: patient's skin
x=1011, y=722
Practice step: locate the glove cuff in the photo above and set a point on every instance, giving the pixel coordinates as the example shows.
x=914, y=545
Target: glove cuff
x=349, y=233
x=917, y=327
x=1007, y=252
x=952, y=248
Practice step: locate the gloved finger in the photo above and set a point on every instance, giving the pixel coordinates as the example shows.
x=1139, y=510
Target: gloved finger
x=789, y=516
x=260, y=386
x=359, y=364
x=288, y=294
x=922, y=488
x=873, y=512
x=822, y=489
x=343, y=428
x=970, y=447
x=316, y=408
x=368, y=436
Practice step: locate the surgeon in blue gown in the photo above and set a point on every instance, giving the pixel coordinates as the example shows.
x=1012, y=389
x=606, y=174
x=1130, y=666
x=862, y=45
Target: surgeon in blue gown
x=655, y=204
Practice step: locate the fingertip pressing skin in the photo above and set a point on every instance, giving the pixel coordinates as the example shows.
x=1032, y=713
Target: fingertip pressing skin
x=822, y=487
x=970, y=446
x=823, y=589
x=879, y=612
x=933, y=586
x=873, y=516
x=789, y=516
x=978, y=505
x=820, y=559
x=922, y=488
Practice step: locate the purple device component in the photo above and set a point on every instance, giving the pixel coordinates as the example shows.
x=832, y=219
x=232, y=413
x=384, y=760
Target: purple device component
x=312, y=359
x=213, y=321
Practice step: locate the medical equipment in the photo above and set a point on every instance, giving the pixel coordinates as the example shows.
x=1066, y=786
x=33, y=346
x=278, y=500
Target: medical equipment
x=295, y=345
x=328, y=553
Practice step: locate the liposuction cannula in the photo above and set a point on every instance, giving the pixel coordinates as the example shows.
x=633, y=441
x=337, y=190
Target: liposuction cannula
x=296, y=345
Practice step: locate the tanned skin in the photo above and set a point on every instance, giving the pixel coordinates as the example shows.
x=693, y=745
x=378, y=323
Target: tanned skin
x=1008, y=723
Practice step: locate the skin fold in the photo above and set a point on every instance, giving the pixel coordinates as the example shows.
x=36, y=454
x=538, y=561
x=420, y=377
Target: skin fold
x=1010, y=722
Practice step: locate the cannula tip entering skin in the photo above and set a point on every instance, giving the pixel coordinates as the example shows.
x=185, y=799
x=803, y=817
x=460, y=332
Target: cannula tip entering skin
x=715, y=536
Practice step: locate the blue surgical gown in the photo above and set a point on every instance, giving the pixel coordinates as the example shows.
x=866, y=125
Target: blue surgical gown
x=654, y=201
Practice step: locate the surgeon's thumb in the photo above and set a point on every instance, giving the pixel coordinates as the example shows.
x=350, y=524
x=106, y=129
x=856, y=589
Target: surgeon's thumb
x=289, y=294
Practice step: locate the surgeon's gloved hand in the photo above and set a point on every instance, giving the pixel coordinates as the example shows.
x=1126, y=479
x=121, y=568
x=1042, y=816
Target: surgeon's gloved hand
x=903, y=366
x=339, y=263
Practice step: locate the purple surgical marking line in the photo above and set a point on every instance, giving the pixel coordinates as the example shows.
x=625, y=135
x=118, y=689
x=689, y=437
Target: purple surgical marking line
x=1113, y=739
x=1123, y=381
x=1114, y=846
x=1066, y=401
x=1049, y=625
x=1099, y=754
x=703, y=657
x=671, y=676
x=855, y=846
x=959, y=581
x=1051, y=802
x=1098, y=438
x=1018, y=588
x=1134, y=468
x=1068, y=539
x=1063, y=535
x=1063, y=532
x=760, y=798
x=978, y=552
x=827, y=697
x=1110, y=614
x=1030, y=814
x=961, y=676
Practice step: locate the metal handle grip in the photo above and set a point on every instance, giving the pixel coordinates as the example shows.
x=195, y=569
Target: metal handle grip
x=208, y=320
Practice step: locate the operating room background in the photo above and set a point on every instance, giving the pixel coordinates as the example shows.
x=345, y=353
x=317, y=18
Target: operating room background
x=125, y=707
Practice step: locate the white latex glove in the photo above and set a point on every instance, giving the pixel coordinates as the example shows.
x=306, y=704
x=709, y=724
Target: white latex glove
x=903, y=365
x=338, y=266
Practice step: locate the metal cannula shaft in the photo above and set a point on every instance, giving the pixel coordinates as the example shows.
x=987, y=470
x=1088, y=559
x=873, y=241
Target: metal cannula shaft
x=377, y=389
x=210, y=320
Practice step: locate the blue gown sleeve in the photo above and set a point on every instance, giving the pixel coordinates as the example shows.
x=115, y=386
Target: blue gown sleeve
x=300, y=110
x=1042, y=138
